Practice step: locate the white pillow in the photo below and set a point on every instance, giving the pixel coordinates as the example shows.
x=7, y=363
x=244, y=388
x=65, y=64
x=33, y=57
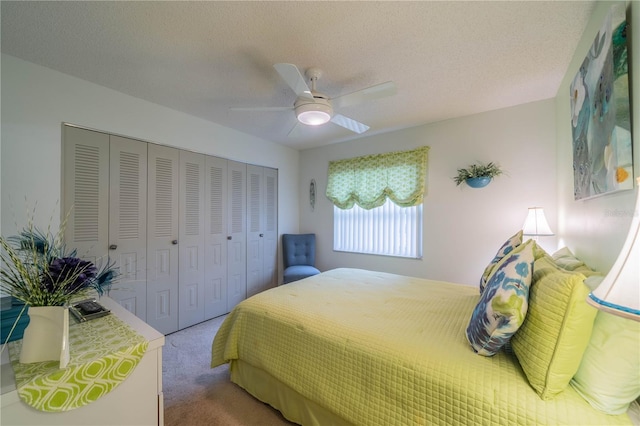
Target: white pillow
x=565, y=259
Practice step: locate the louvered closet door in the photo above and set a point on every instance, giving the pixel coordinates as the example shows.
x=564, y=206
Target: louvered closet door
x=162, y=238
x=86, y=192
x=215, y=248
x=270, y=269
x=255, y=230
x=128, y=222
x=191, y=241
x=237, y=236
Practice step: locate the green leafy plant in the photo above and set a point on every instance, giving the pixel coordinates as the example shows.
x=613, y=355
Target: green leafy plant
x=478, y=170
x=39, y=271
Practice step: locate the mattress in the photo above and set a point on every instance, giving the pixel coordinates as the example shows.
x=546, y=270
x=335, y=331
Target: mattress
x=373, y=348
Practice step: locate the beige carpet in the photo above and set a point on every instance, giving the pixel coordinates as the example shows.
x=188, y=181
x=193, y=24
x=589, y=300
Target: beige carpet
x=195, y=394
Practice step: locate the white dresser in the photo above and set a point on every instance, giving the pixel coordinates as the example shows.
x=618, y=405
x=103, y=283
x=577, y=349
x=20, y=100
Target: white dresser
x=136, y=401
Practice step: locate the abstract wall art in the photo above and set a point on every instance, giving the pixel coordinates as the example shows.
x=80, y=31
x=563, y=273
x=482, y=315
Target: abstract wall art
x=600, y=109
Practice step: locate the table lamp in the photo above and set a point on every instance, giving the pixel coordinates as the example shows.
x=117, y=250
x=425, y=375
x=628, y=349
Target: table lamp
x=535, y=224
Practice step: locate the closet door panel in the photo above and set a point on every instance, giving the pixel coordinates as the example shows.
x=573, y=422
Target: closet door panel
x=215, y=249
x=270, y=230
x=237, y=236
x=128, y=222
x=162, y=238
x=86, y=192
x=191, y=241
x=255, y=227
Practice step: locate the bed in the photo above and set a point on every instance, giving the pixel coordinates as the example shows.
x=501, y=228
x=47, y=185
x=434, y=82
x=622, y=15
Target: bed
x=359, y=347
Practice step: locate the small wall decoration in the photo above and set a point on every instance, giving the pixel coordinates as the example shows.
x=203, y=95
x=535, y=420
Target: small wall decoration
x=312, y=194
x=478, y=175
x=601, y=122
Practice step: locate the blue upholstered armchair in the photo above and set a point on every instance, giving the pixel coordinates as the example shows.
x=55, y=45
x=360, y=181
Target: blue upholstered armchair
x=299, y=254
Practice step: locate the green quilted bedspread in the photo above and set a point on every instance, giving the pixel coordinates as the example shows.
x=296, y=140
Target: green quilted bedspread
x=383, y=349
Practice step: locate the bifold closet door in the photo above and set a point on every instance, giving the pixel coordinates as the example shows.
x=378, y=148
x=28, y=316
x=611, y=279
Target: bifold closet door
x=162, y=238
x=128, y=222
x=191, y=240
x=262, y=228
x=86, y=192
x=255, y=230
x=237, y=235
x=270, y=258
x=215, y=246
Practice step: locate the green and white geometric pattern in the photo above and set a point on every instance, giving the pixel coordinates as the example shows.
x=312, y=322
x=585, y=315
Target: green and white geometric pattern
x=103, y=352
x=368, y=181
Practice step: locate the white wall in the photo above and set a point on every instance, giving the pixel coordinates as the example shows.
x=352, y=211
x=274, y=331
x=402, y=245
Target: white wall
x=595, y=229
x=463, y=227
x=37, y=100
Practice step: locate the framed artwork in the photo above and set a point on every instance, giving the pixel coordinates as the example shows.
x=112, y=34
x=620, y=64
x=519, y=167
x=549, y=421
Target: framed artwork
x=600, y=109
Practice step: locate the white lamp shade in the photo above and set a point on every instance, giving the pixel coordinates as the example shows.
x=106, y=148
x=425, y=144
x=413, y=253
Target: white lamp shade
x=619, y=291
x=536, y=223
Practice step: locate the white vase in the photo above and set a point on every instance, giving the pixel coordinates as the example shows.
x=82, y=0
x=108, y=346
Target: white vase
x=46, y=338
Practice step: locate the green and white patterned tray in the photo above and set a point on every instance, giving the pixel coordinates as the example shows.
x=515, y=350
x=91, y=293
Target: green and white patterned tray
x=103, y=352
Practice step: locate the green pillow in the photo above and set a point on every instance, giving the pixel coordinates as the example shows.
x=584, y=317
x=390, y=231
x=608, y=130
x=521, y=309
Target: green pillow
x=557, y=329
x=506, y=248
x=503, y=304
x=609, y=374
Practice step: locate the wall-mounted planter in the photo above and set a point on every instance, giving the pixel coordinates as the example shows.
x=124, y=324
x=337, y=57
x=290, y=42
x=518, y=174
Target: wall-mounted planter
x=478, y=175
x=479, y=182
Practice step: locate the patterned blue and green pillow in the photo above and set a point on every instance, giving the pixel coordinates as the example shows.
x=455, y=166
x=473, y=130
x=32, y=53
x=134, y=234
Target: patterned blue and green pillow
x=504, y=302
x=505, y=249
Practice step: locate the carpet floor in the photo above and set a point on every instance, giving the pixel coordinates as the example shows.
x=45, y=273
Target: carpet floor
x=195, y=394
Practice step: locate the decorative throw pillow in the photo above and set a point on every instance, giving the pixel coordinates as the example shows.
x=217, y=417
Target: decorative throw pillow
x=505, y=249
x=555, y=334
x=503, y=304
x=609, y=374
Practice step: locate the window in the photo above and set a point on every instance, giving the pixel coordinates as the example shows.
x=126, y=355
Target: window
x=378, y=203
x=388, y=230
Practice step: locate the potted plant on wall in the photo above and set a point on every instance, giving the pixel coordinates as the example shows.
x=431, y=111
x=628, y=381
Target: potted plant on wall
x=478, y=175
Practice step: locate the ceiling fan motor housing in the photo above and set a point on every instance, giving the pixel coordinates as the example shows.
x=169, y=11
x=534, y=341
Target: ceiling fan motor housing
x=314, y=111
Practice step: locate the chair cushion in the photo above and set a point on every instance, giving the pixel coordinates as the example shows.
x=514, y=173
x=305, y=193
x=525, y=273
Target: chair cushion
x=298, y=249
x=298, y=272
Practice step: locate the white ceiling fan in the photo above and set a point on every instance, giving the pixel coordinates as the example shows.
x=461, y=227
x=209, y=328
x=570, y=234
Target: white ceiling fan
x=314, y=108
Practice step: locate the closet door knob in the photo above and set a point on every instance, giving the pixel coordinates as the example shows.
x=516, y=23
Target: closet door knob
x=261, y=235
x=174, y=242
x=229, y=237
x=113, y=247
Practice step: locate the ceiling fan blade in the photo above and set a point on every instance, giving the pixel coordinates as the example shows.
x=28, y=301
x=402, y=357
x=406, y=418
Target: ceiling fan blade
x=291, y=75
x=260, y=108
x=295, y=130
x=370, y=93
x=349, y=123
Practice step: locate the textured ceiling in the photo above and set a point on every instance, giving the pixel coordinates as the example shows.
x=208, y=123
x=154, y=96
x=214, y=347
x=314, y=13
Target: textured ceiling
x=447, y=59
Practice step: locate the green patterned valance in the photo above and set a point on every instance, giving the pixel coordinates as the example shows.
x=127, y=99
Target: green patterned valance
x=368, y=181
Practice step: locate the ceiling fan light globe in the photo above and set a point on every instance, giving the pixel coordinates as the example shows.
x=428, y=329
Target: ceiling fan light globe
x=314, y=113
x=313, y=118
